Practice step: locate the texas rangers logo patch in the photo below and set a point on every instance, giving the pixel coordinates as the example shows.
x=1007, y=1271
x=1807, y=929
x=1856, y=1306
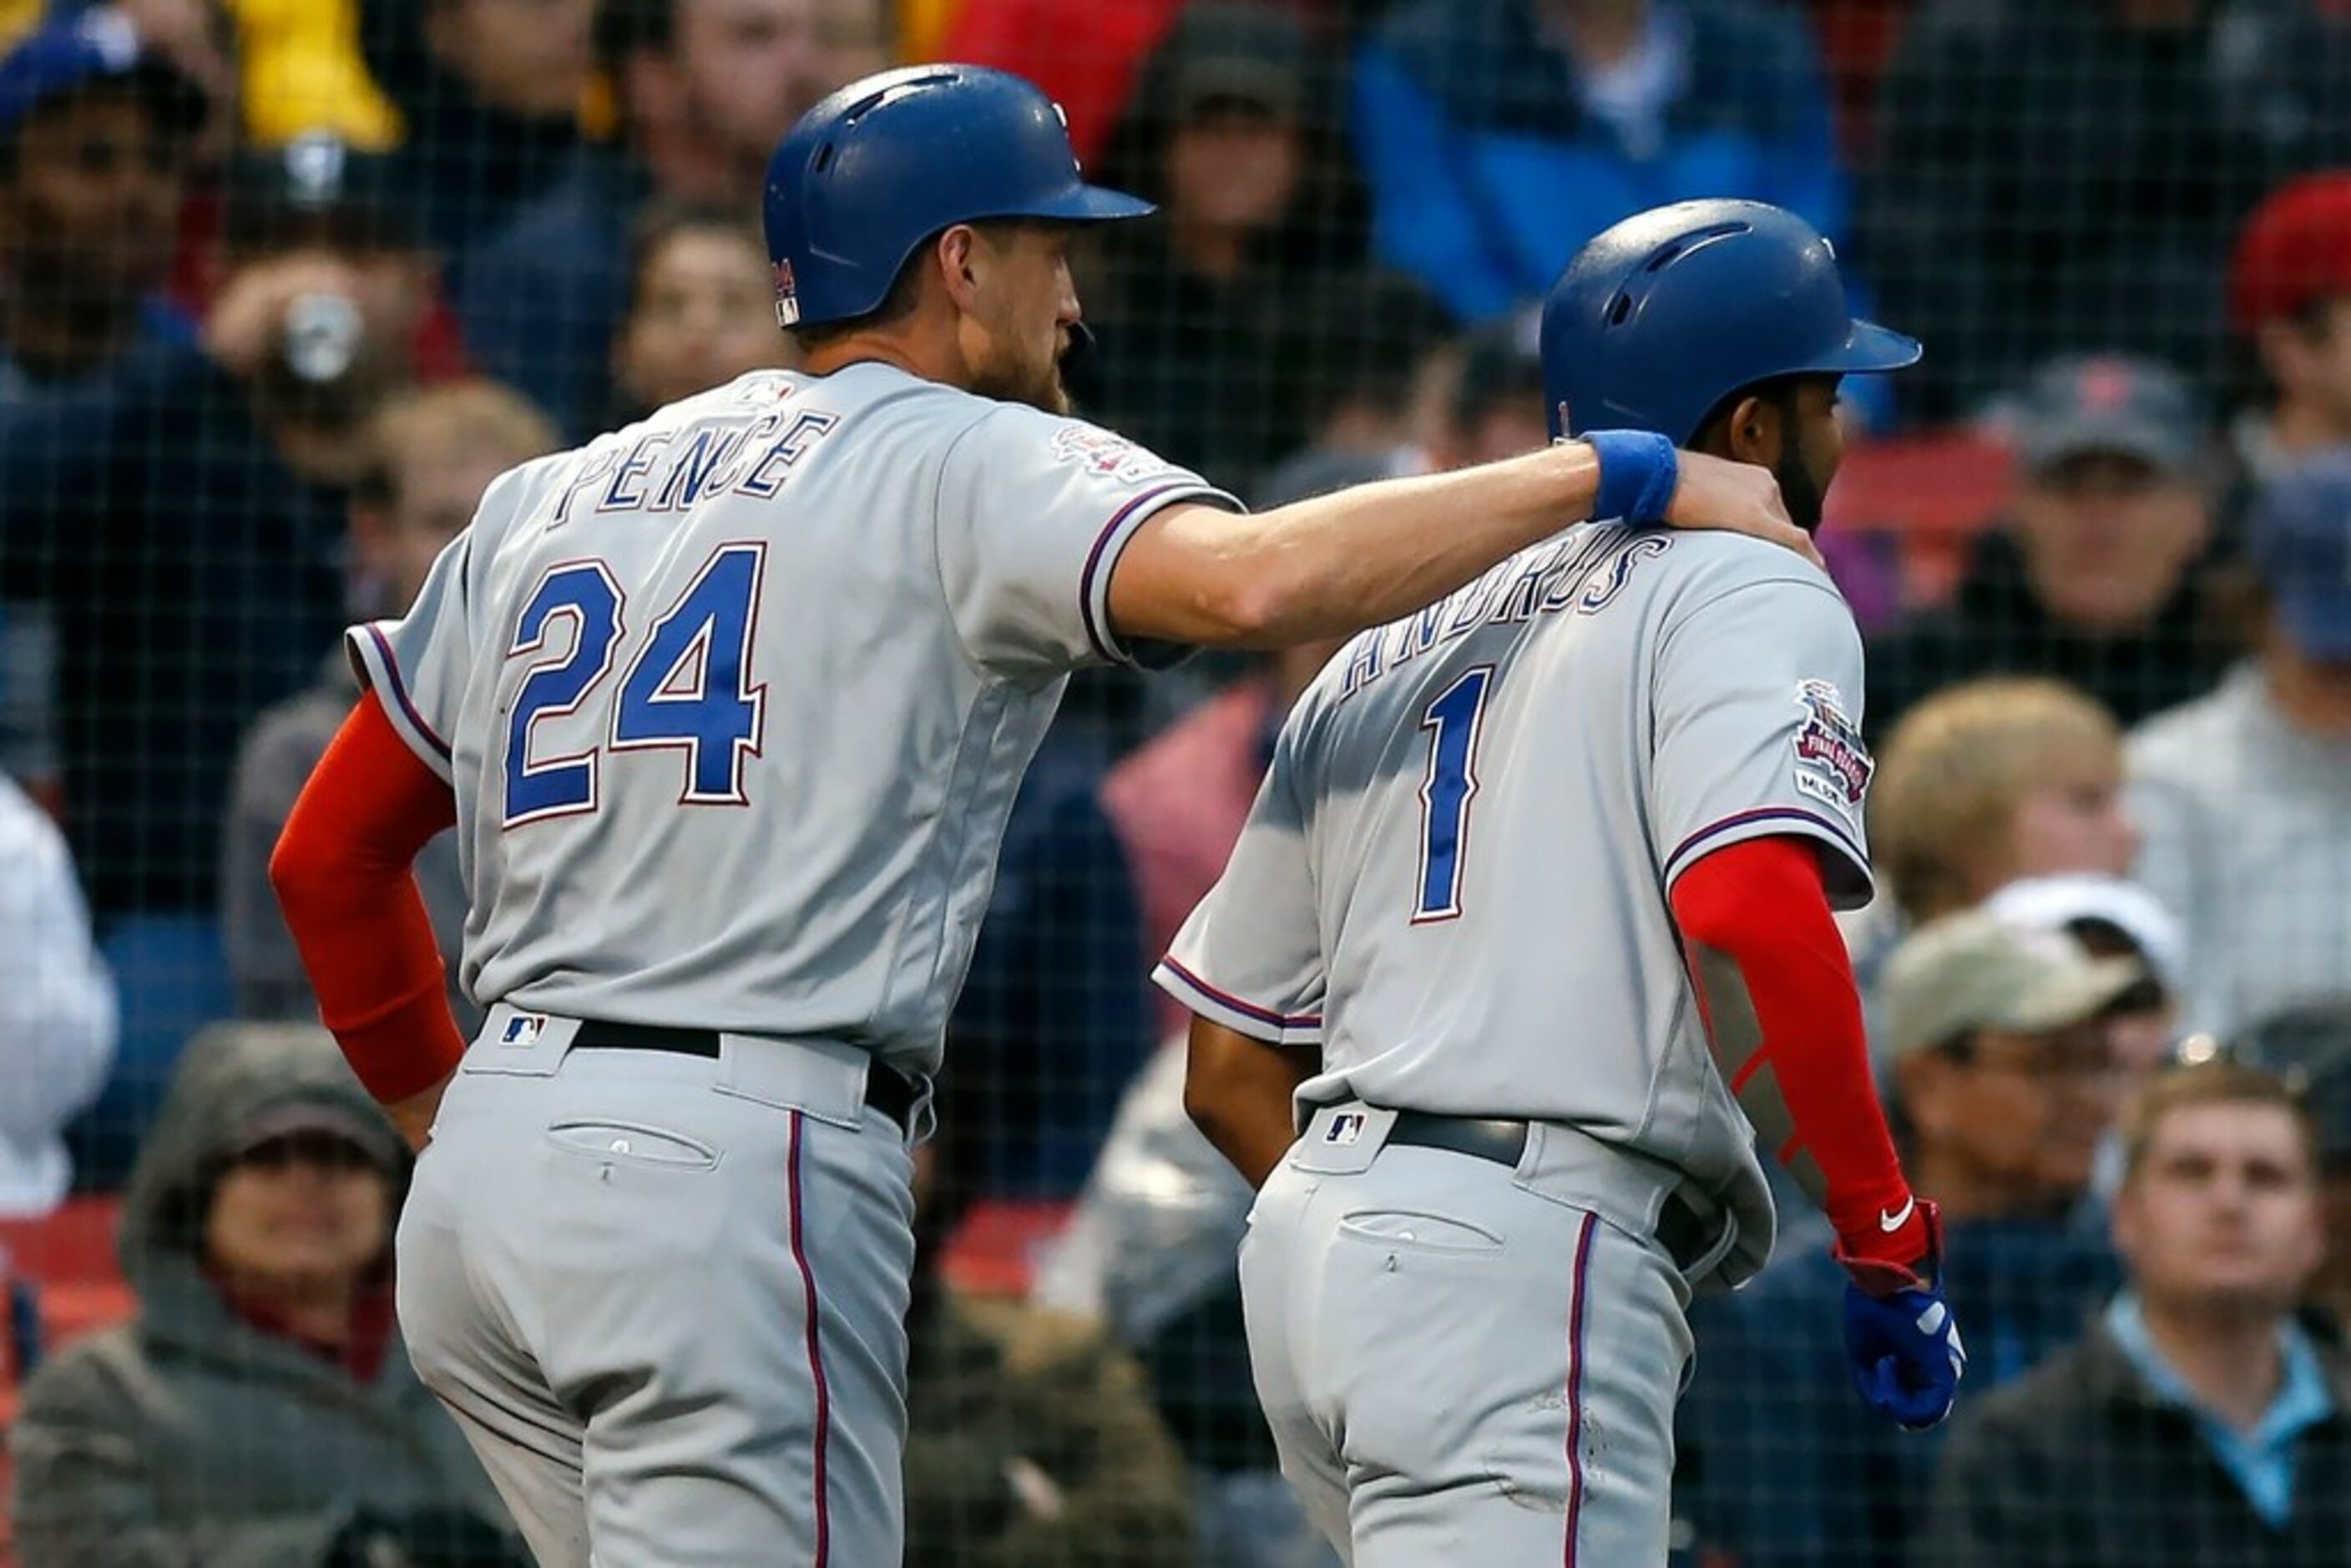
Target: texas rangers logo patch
x=1832, y=764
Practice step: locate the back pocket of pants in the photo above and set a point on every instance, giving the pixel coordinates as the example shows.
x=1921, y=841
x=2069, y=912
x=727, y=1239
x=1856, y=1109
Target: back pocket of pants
x=1423, y=1232
x=632, y=1143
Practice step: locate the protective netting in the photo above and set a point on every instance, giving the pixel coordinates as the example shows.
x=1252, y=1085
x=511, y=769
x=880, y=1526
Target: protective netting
x=284, y=284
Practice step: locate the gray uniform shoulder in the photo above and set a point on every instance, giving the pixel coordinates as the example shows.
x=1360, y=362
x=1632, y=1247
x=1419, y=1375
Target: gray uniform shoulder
x=1702, y=566
x=518, y=493
x=874, y=390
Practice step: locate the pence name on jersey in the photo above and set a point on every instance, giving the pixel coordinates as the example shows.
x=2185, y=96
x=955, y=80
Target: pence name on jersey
x=791, y=643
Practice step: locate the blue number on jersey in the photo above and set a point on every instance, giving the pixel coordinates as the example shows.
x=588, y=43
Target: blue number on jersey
x=687, y=687
x=585, y=593
x=1457, y=717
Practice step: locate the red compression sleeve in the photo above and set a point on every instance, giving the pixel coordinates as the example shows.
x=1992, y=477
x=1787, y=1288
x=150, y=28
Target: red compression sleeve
x=1776, y=990
x=342, y=874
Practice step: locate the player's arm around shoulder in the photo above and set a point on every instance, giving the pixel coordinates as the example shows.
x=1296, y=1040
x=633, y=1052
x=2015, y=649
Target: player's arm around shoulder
x=1332, y=564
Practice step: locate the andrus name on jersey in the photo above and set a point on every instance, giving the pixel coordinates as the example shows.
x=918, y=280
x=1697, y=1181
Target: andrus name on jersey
x=1580, y=573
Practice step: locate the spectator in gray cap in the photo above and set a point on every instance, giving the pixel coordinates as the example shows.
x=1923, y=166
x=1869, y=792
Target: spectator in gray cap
x=2091, y=578
x=2243, y=799
x=2002, y=1030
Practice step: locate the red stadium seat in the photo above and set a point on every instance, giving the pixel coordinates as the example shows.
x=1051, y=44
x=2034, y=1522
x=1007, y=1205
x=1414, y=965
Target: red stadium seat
x=995, y=1250
x=1932, y=494
x=68, y=1259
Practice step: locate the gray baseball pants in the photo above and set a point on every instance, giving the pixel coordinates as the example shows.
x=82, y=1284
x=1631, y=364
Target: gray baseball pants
x=1466, y=1363
x=665, y=1297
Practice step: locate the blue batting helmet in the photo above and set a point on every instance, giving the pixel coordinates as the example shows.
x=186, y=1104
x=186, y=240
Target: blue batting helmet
x=1663, y=316
x=870, y=174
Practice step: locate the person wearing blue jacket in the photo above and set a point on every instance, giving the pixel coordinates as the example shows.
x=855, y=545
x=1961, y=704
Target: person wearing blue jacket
x=1500, y=135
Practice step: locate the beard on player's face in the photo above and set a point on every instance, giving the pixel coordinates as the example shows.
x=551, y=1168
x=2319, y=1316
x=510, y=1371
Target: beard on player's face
x=1803, y=491
x=1011, y=372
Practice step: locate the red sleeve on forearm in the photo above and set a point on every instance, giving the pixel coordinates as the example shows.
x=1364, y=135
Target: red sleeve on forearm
x=1760, y=905
x=342, y=874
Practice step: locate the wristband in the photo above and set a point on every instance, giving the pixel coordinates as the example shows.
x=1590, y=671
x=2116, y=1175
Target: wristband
x=1918, y=1242
x=1638, y=472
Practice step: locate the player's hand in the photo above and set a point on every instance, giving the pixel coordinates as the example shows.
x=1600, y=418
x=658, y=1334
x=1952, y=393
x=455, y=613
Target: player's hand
x=1735, y=497
x=413, y=1116
x=1902, y=1344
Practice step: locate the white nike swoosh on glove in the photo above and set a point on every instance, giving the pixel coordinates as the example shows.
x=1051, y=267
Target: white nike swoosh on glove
x=1890, y=1223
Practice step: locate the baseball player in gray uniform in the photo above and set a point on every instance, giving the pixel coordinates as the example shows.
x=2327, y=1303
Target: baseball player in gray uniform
x=728, y=708
x=1534, y=907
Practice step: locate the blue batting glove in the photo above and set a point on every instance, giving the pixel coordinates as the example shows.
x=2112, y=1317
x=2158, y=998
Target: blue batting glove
x=1901, y=1342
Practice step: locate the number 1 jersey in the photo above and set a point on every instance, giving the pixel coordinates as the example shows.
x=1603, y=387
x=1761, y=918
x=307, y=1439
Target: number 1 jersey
x=1456, y=878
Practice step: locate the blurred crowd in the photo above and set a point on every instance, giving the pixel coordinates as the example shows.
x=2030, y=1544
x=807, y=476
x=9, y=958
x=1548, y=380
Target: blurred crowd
x=284, y=283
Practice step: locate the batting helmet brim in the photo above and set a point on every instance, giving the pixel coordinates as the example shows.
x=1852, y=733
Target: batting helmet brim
x=1088, y=204
x=1870, y=347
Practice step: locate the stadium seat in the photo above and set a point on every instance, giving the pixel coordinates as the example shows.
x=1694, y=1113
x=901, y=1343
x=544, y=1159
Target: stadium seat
x=172, y=977
x=1930, y=495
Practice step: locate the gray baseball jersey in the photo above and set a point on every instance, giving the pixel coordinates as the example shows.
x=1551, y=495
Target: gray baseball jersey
x=1456, y=876
x=735, y=700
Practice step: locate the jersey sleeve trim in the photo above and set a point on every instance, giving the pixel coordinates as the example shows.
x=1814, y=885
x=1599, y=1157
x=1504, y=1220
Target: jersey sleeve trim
x=372, y=653
x=1094, y=582
x=1848, y=892
x=1267, y=1024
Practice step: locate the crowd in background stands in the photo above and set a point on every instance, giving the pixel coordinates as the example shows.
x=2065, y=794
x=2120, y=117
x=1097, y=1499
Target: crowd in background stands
x=283, y=283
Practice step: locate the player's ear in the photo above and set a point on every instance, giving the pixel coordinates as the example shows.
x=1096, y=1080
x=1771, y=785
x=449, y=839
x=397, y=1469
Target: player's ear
x=1756, y=432
x=961, y=261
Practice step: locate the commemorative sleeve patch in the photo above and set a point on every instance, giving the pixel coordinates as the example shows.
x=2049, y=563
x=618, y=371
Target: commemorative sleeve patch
x=1106, y=457
x=1833, y=766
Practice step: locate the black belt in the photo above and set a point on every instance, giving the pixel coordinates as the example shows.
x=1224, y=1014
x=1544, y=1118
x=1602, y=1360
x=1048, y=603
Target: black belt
x=1683, y=1234
x=887, y=1090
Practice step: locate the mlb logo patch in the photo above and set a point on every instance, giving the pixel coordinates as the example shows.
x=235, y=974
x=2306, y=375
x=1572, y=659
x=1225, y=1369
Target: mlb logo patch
x=1344, y=1128
x=523, y=1029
